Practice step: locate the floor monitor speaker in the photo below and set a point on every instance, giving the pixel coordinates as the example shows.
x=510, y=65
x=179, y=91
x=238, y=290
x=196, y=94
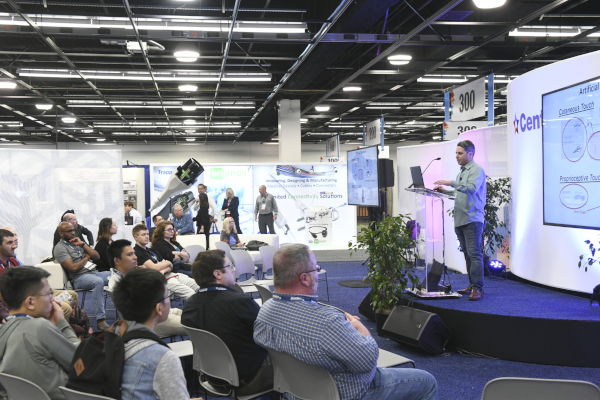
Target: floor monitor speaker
x=417, y=328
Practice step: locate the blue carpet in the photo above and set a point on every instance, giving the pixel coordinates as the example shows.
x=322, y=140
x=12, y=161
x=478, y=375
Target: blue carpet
x=460, y=376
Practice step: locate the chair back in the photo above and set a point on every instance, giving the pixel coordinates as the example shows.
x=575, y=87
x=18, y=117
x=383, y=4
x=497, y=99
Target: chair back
x=71, y=394
x=194, y=250
x=225, y=247
x=267, y=253
x=212, y=356
x=264, y=293
x=292, y=375
x=539, y=389
x=244, y=264
x=55, y=280
x=19, y=388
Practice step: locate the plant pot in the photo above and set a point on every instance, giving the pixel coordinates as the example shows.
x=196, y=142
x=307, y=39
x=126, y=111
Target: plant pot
x=380, y=319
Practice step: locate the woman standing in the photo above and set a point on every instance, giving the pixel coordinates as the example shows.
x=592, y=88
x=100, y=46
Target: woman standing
x=205, y=219
x=106, y=229
x=164, y=243
x=230, y=206
x=229, y=234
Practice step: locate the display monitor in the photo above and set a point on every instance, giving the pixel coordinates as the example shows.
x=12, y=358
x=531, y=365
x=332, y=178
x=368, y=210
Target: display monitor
x=571, y=154
x=363, y=177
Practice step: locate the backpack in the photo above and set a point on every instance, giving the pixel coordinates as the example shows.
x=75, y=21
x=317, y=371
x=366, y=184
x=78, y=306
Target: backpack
x=79, y=321
x=97, y=366
x=254, y=245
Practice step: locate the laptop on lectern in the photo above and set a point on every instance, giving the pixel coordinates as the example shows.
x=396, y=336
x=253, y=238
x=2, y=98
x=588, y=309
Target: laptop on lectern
x=417, y=177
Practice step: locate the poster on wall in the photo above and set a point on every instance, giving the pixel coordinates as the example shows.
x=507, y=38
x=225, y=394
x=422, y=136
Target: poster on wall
x=311, y=199
x=312, y=202
x=571, y=154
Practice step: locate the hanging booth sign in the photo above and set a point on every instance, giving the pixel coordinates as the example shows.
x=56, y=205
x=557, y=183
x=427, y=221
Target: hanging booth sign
x=453, y=129
x=333, y=146
x=373, y=133
x=468, y=101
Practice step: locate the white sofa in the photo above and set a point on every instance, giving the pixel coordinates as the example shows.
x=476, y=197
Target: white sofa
x=188, y=240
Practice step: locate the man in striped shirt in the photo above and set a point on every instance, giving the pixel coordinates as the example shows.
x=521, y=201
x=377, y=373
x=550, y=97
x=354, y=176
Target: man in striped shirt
x=293, y=322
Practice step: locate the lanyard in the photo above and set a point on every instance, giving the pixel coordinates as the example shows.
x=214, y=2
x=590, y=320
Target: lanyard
x=18, y=315
x=292, y=298
x=76, y=248
x=211, y=289
x=151, y=253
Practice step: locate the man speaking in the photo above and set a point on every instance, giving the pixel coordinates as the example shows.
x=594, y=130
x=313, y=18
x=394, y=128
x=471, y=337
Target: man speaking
x=470, y=189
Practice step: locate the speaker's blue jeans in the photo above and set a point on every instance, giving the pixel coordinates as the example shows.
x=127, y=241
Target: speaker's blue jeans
x=469, y=236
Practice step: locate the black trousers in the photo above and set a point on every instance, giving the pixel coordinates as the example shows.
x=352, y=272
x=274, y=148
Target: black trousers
x=265, y=220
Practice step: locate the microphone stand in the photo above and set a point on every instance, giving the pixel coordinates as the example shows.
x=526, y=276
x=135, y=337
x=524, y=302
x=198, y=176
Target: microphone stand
x=423, y=173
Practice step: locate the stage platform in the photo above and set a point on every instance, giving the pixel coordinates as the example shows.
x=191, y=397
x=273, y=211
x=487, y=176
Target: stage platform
x=520, y=322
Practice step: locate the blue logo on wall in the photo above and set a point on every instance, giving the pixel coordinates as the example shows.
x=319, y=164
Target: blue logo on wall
x=526, y=123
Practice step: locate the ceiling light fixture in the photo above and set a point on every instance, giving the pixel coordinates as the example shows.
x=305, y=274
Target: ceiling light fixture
x=322, y=108
x=436, y=137
x=352, y=89
x=188, y=88
x=69, y=120
x=442, y=79
x=188, y=105
x=396, y=88
x=144, y=75
x=186, y=56
x=101, y=139
x=353, y=109
x=303, y=120
x=399, y=59
x=191, y=139
x=189, y=121
x=8, y=85
x=489, y=3
x=44, y=106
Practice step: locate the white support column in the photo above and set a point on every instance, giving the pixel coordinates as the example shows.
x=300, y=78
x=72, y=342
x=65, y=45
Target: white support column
x=288, y=126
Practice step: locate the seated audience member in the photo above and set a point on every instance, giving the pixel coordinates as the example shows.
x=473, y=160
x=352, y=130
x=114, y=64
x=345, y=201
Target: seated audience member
x=106, y=230
x=220, y=309
x=229, y=233
x=157, y=219
x=164, y=243
x=80, y=231
x=74, y=256
x=182, y=221
x=133, y=215
x=151, y=370
x=123, y=259
x=180, y=285
x=36, y=343
x=9, y=242
x=294, y=323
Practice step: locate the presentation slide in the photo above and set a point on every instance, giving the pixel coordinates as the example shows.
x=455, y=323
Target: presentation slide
x=571, y=149
x=363, y=183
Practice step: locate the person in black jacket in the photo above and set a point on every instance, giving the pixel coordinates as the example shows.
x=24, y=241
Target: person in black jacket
x=106, y=230
x=203, y=219
x=80, y=230
x=230, y=207
x=164, y=243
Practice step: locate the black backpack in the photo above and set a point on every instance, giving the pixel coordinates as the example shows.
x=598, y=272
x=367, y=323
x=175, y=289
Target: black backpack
x=97, y=366
x=254, y=245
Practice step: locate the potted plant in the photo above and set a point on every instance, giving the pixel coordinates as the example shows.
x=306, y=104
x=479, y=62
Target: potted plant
x=492, y=237
x=390, y=248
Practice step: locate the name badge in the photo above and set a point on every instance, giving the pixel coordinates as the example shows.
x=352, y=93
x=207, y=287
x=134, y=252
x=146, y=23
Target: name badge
x=263, y=206
x=89, y=265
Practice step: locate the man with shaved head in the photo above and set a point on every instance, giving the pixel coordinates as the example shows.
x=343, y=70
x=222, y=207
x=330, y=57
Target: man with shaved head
x=80, y=231
x=75, y=257
x=265, y=210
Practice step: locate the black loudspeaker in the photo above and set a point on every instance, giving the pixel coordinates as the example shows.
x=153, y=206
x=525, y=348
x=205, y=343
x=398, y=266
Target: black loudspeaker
x=417, y=328
x=365, y=308
x=385, y=170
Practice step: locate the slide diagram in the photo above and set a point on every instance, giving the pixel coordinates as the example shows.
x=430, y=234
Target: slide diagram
x=571, y=149
x=363, y=183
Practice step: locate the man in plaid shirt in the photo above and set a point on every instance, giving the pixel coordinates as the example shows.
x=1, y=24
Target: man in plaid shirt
x=293, y=322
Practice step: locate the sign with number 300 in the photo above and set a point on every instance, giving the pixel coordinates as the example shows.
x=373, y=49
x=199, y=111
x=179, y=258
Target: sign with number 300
x=468, y=101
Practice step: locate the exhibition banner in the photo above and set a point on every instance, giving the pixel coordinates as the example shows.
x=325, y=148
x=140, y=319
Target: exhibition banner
x=312, y=199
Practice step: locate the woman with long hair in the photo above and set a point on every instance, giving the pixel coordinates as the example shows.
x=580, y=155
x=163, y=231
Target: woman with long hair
x=164, y=242
x=205, y=221
x=106, y=229
x=230, y=207
x=229, y=233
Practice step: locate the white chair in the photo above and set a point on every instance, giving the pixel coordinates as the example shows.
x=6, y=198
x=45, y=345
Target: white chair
x=388, y=359
x=19, y=388
x=300, y=379
x=213, y=358
x=264, y=293
x=245, y=265
x=55, y=280
x=193, y=250
x=225, y=247
x=267, y=253
x=539, y=389
x=71, y=394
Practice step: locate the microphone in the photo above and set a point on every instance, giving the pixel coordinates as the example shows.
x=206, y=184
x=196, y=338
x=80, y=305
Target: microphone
x=423, y=173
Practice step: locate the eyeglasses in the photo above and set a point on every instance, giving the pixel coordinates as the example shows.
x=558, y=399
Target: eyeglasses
x=164, y=298
x=70, y=230
x=169, y=230
x=308, y=272
x=50, y=293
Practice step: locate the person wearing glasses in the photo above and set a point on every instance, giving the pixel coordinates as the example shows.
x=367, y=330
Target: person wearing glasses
x=151, y=370
x=220, y=309
x=265, y=211
x=294, y=322
x=123, y=258
x=75, y=257
x=36, y=343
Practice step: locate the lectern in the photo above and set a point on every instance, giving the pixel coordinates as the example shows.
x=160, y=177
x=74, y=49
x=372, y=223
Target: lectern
x=426, y=216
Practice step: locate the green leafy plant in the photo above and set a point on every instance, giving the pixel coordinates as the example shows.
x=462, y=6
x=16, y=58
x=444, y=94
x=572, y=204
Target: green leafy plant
x=390, y=248
x=498, y=193
x=592, y=256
